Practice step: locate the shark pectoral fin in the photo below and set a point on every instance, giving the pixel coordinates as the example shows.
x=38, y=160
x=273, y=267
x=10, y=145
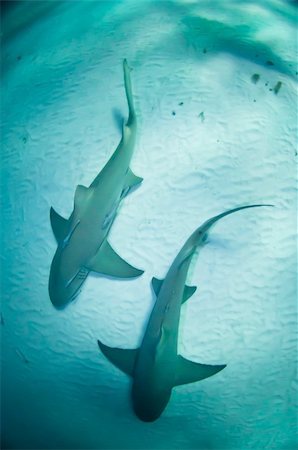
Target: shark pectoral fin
x=123, y=359
x=189, y=372
x=60, y=226
x=80, y=196
x=131, y=180
x=108, y=262
x=156, y=284
x=188, y=292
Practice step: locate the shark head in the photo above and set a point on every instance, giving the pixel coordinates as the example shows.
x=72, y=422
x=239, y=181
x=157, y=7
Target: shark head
x=148, y=405
x=63, y=291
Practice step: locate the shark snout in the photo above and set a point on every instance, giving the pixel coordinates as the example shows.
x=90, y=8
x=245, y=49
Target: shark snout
x=59, y=297
x=149, y=405
x=60, y=292
x=147, y=416
x=64, y=285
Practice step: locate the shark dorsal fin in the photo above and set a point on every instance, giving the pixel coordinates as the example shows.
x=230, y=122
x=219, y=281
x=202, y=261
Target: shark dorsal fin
x=156, y=284
x=189, y=371
x=121, y=358
x=131, y=180
x=80, y=196
x=188, y=292
x=60, y=226
x=108, y=262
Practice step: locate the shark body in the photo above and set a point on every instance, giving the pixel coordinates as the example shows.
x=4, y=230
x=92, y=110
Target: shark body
x=156, y=366
x=82, y=239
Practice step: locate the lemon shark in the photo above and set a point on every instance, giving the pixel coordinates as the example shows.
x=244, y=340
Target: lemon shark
x=82, y=239
x=156, y=367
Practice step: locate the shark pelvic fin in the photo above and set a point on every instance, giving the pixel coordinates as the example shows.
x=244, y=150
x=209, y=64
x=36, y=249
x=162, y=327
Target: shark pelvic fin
x=188, y=292
x=189, y=372
x=156, y=284
x=108, y=262
x=121, y=358
x=60, y=226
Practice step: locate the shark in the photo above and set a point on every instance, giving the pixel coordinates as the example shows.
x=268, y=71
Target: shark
x=156, y=367
x=82, y=244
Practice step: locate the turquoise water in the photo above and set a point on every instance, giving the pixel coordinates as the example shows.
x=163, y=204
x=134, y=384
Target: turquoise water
x=215, y=88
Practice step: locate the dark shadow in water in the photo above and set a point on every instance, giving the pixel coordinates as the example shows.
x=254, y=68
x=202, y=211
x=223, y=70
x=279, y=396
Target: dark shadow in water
x=5, y=5
x=24, y=16
x=118, y=118
x=5, y=445
x=210, y=36
x=237, y=40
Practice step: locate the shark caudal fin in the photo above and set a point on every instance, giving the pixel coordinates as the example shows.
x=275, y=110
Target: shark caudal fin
x=189, y=372
x=199, y=236
x=128, y=91
x=210, y=222
x=108, y=262
x=121, y=358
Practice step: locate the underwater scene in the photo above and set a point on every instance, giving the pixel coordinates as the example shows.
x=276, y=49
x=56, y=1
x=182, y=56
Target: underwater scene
x=149, y=225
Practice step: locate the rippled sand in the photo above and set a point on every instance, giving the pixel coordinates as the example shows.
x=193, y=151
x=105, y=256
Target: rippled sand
x=216, y=96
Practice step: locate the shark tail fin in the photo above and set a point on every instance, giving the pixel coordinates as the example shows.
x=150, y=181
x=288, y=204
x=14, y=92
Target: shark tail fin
x=189, y=371
x=128, y=91
x=201, y=233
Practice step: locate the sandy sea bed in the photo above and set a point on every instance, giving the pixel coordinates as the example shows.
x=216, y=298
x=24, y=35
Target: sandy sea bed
x=216, y=96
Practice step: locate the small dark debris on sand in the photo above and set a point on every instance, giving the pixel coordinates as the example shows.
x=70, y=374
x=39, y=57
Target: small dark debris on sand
x=173, y=113
x=202, y=116
x=255, y=78
x=270, y=63
x=181, y=103
x=204, y=50
x=22, y=356
x=277, y=87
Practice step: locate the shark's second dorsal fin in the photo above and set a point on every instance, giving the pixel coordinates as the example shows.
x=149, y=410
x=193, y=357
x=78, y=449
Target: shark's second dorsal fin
x=121, y=358
x=60, y=226
x=189, y=372
x=188, y=292
x=108, y=262
x=156, y=284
